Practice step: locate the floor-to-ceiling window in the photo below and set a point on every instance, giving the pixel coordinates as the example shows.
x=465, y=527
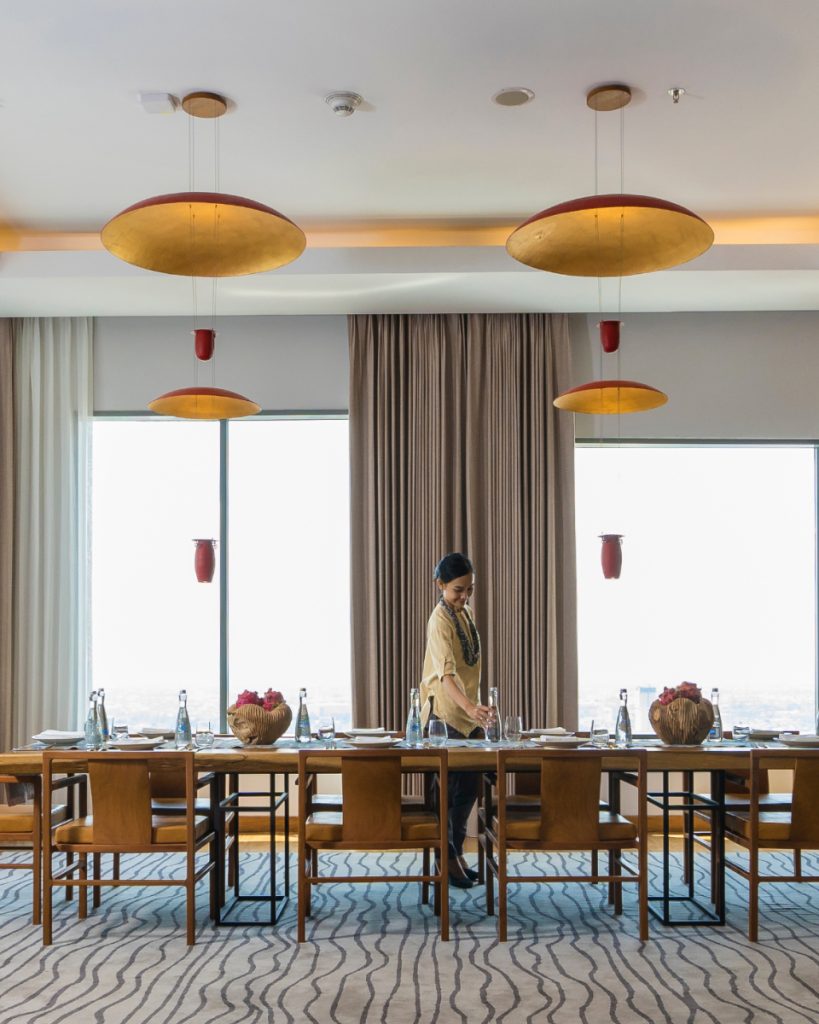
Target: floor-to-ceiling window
x=282, y=609
x=718, y=583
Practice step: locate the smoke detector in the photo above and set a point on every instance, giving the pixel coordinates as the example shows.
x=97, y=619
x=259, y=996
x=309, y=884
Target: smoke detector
x=343, y=103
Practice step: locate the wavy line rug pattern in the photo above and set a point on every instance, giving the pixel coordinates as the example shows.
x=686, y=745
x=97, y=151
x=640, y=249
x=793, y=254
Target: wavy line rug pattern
x=374, y=956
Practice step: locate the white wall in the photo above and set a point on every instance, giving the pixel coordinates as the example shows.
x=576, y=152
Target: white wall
x=282, y=362
x=727, y=375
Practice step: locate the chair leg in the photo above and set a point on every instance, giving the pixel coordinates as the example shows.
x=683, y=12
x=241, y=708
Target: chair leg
x=116, y=867
x=797, y=864
x=36, y=868
x=96, y=897
x=595, y=869
x=753, y=895
x=490, y=889
x=213, y=890
x=47, y=890
x=425, y=871
x=69, y=889
x=83, y=910
x=303, y=862
x=502, y=887
x=617, y=863
x=190, y=898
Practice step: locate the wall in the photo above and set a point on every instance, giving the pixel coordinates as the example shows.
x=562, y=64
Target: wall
x=728, y=376
x=282, y=362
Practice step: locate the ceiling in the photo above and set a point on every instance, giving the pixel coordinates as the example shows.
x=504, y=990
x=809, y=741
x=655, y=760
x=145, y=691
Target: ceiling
x=407, y=203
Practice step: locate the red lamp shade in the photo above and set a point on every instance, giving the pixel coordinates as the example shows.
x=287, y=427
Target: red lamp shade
x=610, y=335
x=611, y=555
x=204, y=559
x=204, y=341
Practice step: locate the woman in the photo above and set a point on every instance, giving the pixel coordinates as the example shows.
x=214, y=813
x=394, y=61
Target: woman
x=450, y=690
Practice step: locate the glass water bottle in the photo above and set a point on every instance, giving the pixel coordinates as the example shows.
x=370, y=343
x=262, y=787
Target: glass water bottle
x=303, y=719
x=622, y=727
x=715, y=735
x=93, y=738
x=105, y=733
x=493, y=726
x=183, y=734
x=413, y=730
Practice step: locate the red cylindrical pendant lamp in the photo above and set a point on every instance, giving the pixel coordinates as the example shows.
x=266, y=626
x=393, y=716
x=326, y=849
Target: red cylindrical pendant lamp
x=204, y=559
x=610, y=335
x=204, y=342
x=611, y=555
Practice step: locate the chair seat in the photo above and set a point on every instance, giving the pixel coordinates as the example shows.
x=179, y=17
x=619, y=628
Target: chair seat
x=326, y=827
x=164, y=829
x=21, y=818
x=176, y=805
x=332, y=801
x=773, y=825
x=742, y=801
x=611, y=827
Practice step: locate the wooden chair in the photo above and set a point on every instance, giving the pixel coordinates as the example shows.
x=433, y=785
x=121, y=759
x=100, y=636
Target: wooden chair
x=21, y=828
x=371, y=818
x=567, y=817
x=759, y=828
x=123, y=822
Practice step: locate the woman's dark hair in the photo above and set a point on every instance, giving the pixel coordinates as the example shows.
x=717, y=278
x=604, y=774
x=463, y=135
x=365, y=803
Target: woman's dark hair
x=452, y=566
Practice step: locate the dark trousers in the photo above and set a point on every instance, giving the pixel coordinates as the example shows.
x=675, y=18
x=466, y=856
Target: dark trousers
x=462, y=794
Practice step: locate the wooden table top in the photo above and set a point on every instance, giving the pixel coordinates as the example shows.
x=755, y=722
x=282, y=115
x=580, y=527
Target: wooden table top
x=253, y=761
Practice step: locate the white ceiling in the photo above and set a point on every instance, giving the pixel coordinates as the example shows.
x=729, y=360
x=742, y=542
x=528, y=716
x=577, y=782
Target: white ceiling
x=429, y=145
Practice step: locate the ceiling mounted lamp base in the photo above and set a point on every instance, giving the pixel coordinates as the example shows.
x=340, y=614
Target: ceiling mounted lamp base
x=611, y=397
x=204, y=403
x=610, y=236
x=203, y=234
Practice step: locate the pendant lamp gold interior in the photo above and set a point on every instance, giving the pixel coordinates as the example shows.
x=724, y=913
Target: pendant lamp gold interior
x=203, y=403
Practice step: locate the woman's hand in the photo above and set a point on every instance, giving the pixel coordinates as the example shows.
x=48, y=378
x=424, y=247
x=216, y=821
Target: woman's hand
x=482, y=714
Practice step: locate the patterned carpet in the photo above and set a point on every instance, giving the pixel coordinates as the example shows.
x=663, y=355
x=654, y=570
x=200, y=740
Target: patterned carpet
x=375, y=956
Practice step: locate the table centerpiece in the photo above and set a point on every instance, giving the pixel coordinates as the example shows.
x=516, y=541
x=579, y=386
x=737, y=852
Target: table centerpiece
x=681, y=715
x=254, y=719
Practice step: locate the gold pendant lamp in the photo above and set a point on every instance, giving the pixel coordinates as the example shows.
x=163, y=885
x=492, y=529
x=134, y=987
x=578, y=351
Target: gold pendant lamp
x=610, y=235
x=203, y=234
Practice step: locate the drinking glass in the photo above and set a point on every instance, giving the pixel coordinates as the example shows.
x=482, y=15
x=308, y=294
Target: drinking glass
x=437, y=732
x=741, y=733
x=599, y=735
x=327, y=732
x=513, y=728
x=203, y=737
x=119, y=731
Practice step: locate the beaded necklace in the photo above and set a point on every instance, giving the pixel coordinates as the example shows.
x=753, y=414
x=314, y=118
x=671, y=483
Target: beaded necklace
x=471, y=646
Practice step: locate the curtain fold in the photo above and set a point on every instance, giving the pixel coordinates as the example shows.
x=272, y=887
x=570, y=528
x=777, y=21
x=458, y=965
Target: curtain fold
x=6, y=534
x=455, y=445
x=53, y=368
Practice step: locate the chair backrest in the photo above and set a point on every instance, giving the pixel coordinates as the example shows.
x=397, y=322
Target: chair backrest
x=805, y=800
x=370, y=788
x=121, y=790
x=569, y=788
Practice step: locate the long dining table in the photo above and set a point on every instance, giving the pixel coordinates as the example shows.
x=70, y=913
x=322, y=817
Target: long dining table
x=719, y=760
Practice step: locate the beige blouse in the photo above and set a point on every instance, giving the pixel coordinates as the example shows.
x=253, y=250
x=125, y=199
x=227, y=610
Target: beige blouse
x=444, y=657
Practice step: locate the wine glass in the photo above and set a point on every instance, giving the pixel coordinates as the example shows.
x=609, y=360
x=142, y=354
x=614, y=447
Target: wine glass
x=513, y=728
x=437, y=732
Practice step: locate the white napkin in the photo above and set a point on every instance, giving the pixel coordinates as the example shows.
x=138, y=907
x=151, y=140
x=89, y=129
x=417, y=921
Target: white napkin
x=556, y=731
x=50, y=735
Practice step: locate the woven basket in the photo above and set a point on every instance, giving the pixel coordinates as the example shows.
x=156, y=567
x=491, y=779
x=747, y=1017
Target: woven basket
x=252, y=724
x=682, y=721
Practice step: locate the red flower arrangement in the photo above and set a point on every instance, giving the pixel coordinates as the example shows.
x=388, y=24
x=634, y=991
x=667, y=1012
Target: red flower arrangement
x=271, y=699
x=688, y=691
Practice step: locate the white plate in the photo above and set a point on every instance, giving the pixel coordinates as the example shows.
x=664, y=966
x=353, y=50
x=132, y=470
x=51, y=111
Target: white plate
x=373, y=741
x=135, y=743
x=805, y=740
x=151, y=734
x=535, y=733
x=560, y=741
x=380, y=731
x=59, y=738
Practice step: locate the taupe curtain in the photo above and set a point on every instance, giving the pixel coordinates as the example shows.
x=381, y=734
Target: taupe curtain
x=6, y=533
x=455, y=446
